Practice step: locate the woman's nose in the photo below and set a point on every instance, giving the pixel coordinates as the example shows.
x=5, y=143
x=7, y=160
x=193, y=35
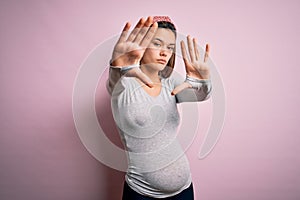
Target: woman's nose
x=163, y=52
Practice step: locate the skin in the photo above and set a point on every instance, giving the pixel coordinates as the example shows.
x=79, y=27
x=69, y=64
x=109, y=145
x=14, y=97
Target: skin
x=150, y=46
x=158, y=52
x=156, y=57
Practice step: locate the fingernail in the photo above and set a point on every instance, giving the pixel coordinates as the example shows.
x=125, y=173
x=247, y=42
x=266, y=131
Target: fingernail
x=172, y=93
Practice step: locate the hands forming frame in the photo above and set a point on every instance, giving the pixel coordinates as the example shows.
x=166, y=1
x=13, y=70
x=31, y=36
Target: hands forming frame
x=130, y=49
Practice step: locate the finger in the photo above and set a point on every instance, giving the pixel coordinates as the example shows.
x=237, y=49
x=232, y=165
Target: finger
x=191, y=49
x=123, y=35
x=184, y=53
x=145, y=79
x=197, y=52
x=137, y=72
x=206, y=55
x=149, y=35
x=181, y=87
x=149, y=21
x=136, y=30
x=143, y=30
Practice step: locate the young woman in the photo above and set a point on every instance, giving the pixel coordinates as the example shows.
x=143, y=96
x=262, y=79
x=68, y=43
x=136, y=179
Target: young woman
x=144, y=99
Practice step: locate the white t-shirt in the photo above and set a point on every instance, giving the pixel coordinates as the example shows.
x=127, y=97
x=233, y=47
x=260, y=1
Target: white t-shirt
x=157, y=165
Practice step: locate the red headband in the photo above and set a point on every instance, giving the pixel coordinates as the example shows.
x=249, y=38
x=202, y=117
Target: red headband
x=162, y=19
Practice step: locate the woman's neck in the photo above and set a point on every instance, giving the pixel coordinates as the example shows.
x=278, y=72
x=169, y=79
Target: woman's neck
x=152, y=74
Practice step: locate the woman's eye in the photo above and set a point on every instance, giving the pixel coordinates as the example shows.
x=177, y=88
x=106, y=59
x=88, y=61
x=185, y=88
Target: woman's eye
x=156, y=44
x=171, y=48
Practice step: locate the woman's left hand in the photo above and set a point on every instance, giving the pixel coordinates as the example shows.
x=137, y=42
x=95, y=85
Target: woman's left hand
x=194, y=67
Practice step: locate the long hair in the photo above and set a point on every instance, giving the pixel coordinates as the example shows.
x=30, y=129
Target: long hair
x=167, y=71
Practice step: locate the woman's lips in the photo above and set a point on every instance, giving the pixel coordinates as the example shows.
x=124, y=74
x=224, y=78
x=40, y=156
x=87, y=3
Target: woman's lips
x=161, y=61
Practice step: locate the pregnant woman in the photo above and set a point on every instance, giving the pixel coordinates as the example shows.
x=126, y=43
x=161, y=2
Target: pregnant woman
x=144, y=97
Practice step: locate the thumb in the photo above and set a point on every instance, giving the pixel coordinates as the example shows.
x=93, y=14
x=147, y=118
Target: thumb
x=181, y=87
x=137, y=72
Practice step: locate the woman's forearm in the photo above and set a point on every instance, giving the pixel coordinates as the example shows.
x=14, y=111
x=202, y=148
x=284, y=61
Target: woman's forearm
x=113, y=78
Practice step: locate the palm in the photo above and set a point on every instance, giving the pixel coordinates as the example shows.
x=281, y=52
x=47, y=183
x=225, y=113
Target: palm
x=129, y=50
x=194, y=66
x=198, y=69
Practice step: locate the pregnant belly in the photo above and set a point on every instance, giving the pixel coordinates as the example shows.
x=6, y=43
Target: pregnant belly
x=170, y=178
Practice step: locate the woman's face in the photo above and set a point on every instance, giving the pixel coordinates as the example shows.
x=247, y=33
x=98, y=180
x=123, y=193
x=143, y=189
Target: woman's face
x=160, y=49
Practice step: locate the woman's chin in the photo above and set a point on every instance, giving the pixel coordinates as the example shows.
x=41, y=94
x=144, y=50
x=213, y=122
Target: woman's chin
x=157, y=66
x=162, y=67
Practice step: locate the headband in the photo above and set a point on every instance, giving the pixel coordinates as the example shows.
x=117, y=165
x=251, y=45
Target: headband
x=162, y=19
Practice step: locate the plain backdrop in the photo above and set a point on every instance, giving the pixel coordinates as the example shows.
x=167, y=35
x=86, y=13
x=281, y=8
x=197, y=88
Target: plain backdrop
x=254, y=45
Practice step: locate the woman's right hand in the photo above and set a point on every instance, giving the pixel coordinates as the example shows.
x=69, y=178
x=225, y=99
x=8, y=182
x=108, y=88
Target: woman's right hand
x=130, y=50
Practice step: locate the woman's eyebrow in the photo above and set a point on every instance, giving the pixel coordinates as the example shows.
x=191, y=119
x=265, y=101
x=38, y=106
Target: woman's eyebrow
x=163, y=41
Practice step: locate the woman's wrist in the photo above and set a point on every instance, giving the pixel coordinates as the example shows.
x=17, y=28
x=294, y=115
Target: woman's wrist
x=197, y=80
x=197, y=83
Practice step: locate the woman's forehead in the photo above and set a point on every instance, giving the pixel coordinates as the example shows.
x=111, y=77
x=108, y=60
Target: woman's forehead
x=165, y=35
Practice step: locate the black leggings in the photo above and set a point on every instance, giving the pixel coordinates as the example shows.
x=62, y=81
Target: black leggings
x=130, y=194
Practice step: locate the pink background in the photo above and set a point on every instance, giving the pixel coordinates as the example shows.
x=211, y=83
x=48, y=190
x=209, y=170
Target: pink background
x=255, y=46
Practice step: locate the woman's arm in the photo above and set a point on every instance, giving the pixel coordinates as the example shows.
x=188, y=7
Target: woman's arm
x=113, y=77
x=200, y=91
x=197, y=85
